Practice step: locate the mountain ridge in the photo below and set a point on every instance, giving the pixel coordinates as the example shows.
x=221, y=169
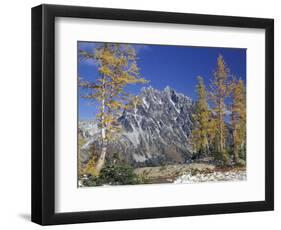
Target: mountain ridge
x=154, y=133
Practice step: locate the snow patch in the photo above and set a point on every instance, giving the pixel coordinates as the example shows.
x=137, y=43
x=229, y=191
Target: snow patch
x=133, y=137
x=178, y=111
x=145, y=102
x=139, y=158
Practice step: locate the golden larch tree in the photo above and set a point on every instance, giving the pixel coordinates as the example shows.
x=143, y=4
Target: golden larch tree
x=219, y=91
x=201, y=118
x=238, y=118
x=117, y=67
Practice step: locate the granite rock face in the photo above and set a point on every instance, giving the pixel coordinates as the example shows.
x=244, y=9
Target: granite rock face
x=154, y=133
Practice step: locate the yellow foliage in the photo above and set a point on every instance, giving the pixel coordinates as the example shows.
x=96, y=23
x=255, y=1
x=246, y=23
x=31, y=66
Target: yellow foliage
x=117, y=68
x=238, y=118
x=220, y=89
x=89, y=168
x=201, y=117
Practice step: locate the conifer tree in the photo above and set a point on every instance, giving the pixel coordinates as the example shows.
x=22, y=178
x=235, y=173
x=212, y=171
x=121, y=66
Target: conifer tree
x=238, y=118
x=117, y=67
x=219, y=91
x=201, y=117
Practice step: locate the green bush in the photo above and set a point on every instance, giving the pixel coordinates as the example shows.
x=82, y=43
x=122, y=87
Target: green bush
x=222, y=158
x=91, y=180
x=241, y=163
x=242, y=153
x=113, y=174
x=117, y=174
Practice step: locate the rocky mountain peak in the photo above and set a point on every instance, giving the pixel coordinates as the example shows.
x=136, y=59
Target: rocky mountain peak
x=156, y=131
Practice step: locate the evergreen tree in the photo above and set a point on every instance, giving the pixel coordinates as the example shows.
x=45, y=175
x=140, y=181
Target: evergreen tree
x=238, y=118
x=117, y=67
x=219, y=91
x=201, y=117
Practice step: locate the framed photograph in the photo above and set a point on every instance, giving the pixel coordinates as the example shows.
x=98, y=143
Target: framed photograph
x=141, y=114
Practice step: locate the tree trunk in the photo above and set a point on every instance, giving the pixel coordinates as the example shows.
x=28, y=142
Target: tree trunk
x=235, y=155
x=220, y=127
x=101, y=159
x=234, y=137
x=221, y=136
x=235, y=147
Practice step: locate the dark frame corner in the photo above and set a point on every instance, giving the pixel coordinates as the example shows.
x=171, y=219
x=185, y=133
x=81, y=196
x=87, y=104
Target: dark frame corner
x=43, y=121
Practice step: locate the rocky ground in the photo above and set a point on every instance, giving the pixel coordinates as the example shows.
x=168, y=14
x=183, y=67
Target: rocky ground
x=213, y=176
x=191, y=173
x=186, y=174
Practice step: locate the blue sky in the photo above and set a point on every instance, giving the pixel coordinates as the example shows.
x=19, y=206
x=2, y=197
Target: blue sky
x=174, y=66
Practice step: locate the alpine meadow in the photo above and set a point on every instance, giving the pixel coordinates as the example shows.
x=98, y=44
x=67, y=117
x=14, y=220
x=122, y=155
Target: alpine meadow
x=152, y=114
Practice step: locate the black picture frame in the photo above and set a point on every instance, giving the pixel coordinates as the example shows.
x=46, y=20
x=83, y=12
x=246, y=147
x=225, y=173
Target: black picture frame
x=43, y=114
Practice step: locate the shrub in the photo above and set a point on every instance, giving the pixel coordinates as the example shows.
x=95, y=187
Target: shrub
x=89, y=168
x=90, y=180
x=117, y=174
x=241, y=163
x=242, y=153
x=222, y=158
